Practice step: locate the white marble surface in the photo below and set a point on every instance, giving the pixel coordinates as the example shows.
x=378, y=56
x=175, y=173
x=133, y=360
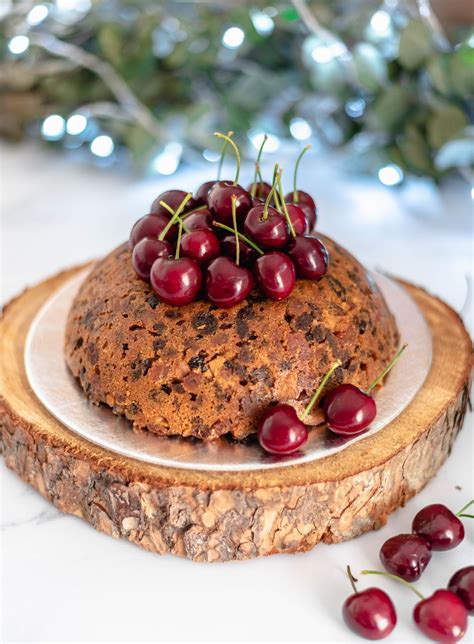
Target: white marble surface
x=60, y=580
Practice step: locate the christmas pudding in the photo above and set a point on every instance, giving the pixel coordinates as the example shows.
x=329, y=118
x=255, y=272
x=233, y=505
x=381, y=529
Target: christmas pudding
x=198, y=336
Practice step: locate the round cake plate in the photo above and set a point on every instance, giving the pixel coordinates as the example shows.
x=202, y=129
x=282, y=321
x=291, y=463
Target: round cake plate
x=62, y=396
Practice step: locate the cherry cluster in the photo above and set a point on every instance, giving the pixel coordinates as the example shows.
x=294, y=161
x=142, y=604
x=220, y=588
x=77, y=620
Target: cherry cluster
x=348, y=410
x=443, y=616
x=225, y=239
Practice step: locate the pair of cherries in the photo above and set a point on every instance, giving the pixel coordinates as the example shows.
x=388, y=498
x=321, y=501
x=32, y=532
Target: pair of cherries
x=443, y=616
x=348, y=410
x=206, y=247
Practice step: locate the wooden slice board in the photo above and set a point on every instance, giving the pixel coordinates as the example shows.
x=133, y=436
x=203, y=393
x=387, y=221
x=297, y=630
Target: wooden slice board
x=219, y=516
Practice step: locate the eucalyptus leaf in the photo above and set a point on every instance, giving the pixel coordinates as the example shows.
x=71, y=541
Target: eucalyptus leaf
x=415, y=151
x=371, y=68
x=461, y=70
x=439, y=74
x=391, y=107
x=416, y=44
x=445, y=124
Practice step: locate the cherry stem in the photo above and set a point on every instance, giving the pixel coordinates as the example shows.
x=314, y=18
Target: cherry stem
x=241, y=236
x=221, y=160
x=234, y=221
x=285, y=209
x=296, y=197
x=257, y=168
x=460, y=512
x=178, y=241
x=390, y=576
x=190, y=212
x=390, y=366
x=236, y=150
x=172, y=212
x=276, y=195
x=352, y=579
x=176, y=215
x=318, y=391
x=270, y=194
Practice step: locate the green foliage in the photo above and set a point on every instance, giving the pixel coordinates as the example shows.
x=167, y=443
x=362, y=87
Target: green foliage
x=416, y=94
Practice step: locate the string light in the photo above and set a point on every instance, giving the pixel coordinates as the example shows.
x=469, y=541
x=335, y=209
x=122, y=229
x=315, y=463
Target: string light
x=167, y=162
x=102, y=146
x=18, y=44
x=37, y=14
x=390, y=175
x=233, y=37
x=300, y=129
x=53, y=127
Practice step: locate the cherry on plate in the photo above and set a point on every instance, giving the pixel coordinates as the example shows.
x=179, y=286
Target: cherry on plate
x=145, y=252
x=441, y=617
x=275, y=274
x=462, y=584
x=406, y=555
x=348, y=410
x=441, y=527
x=151, y=226
x=370, y=613
x=176, y=281
x=281, y=431
x=226, y=283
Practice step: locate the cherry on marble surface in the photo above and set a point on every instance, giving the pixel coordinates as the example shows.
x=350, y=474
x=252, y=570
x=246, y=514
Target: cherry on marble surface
x=280, y=431
x=406, y=555
x=275, y=275
x=176, y=281
x=370, y=613
x=226, y=283
x=442, y=617
x=145, y=252
x=462, y=584
x=438, y=525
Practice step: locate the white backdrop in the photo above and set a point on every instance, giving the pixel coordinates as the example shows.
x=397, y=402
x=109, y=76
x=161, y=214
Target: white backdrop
x=61, y=580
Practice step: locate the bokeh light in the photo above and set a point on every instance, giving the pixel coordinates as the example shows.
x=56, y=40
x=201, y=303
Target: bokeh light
x=18, y=44
x=390, y=175
x=53, y=127
x=233, y=37
x=102, y=146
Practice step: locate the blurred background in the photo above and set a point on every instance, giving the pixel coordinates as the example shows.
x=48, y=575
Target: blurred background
x=142, y=85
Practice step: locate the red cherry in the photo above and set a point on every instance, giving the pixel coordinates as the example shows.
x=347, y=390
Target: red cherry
x=301, y=197
x=199, y=220
x=348, y=409
x=439, y=526
x=310, y=215
x=370, y=613
x=262, y=189
x=275, y=275
x=406, y=555
x=176, y=281
x=297, y=218
x=145, y=253
x=151, y=226
x=310, y=257
x=247, y=254
x=462, y=584
x=201, y=245
x=226, y=283
x=281, y=431
x=220, y=202
x=173, y=198
x=441, y=617
x=202, y=193
x=270, y=232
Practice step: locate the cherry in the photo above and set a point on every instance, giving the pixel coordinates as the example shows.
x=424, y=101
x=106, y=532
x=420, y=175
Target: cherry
x=441, y=617
x=280, y=430
x=144, y=254
x=310, y=257
x=199, y=220
x=270, y=231
x=247, y=254
x=310, y=215
x=226, y=283
x=297, y=217
x=438, y=525
x=462, y=584
x=300, y=197
x=370, y=613
x=259, y=190
x=220, y=195
x=348, y=409
x=275, y=274
x=201, y=245
x=176, y=281
x=406, y=555
x=202, y=193
x=173, y=199
x=151, y=226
